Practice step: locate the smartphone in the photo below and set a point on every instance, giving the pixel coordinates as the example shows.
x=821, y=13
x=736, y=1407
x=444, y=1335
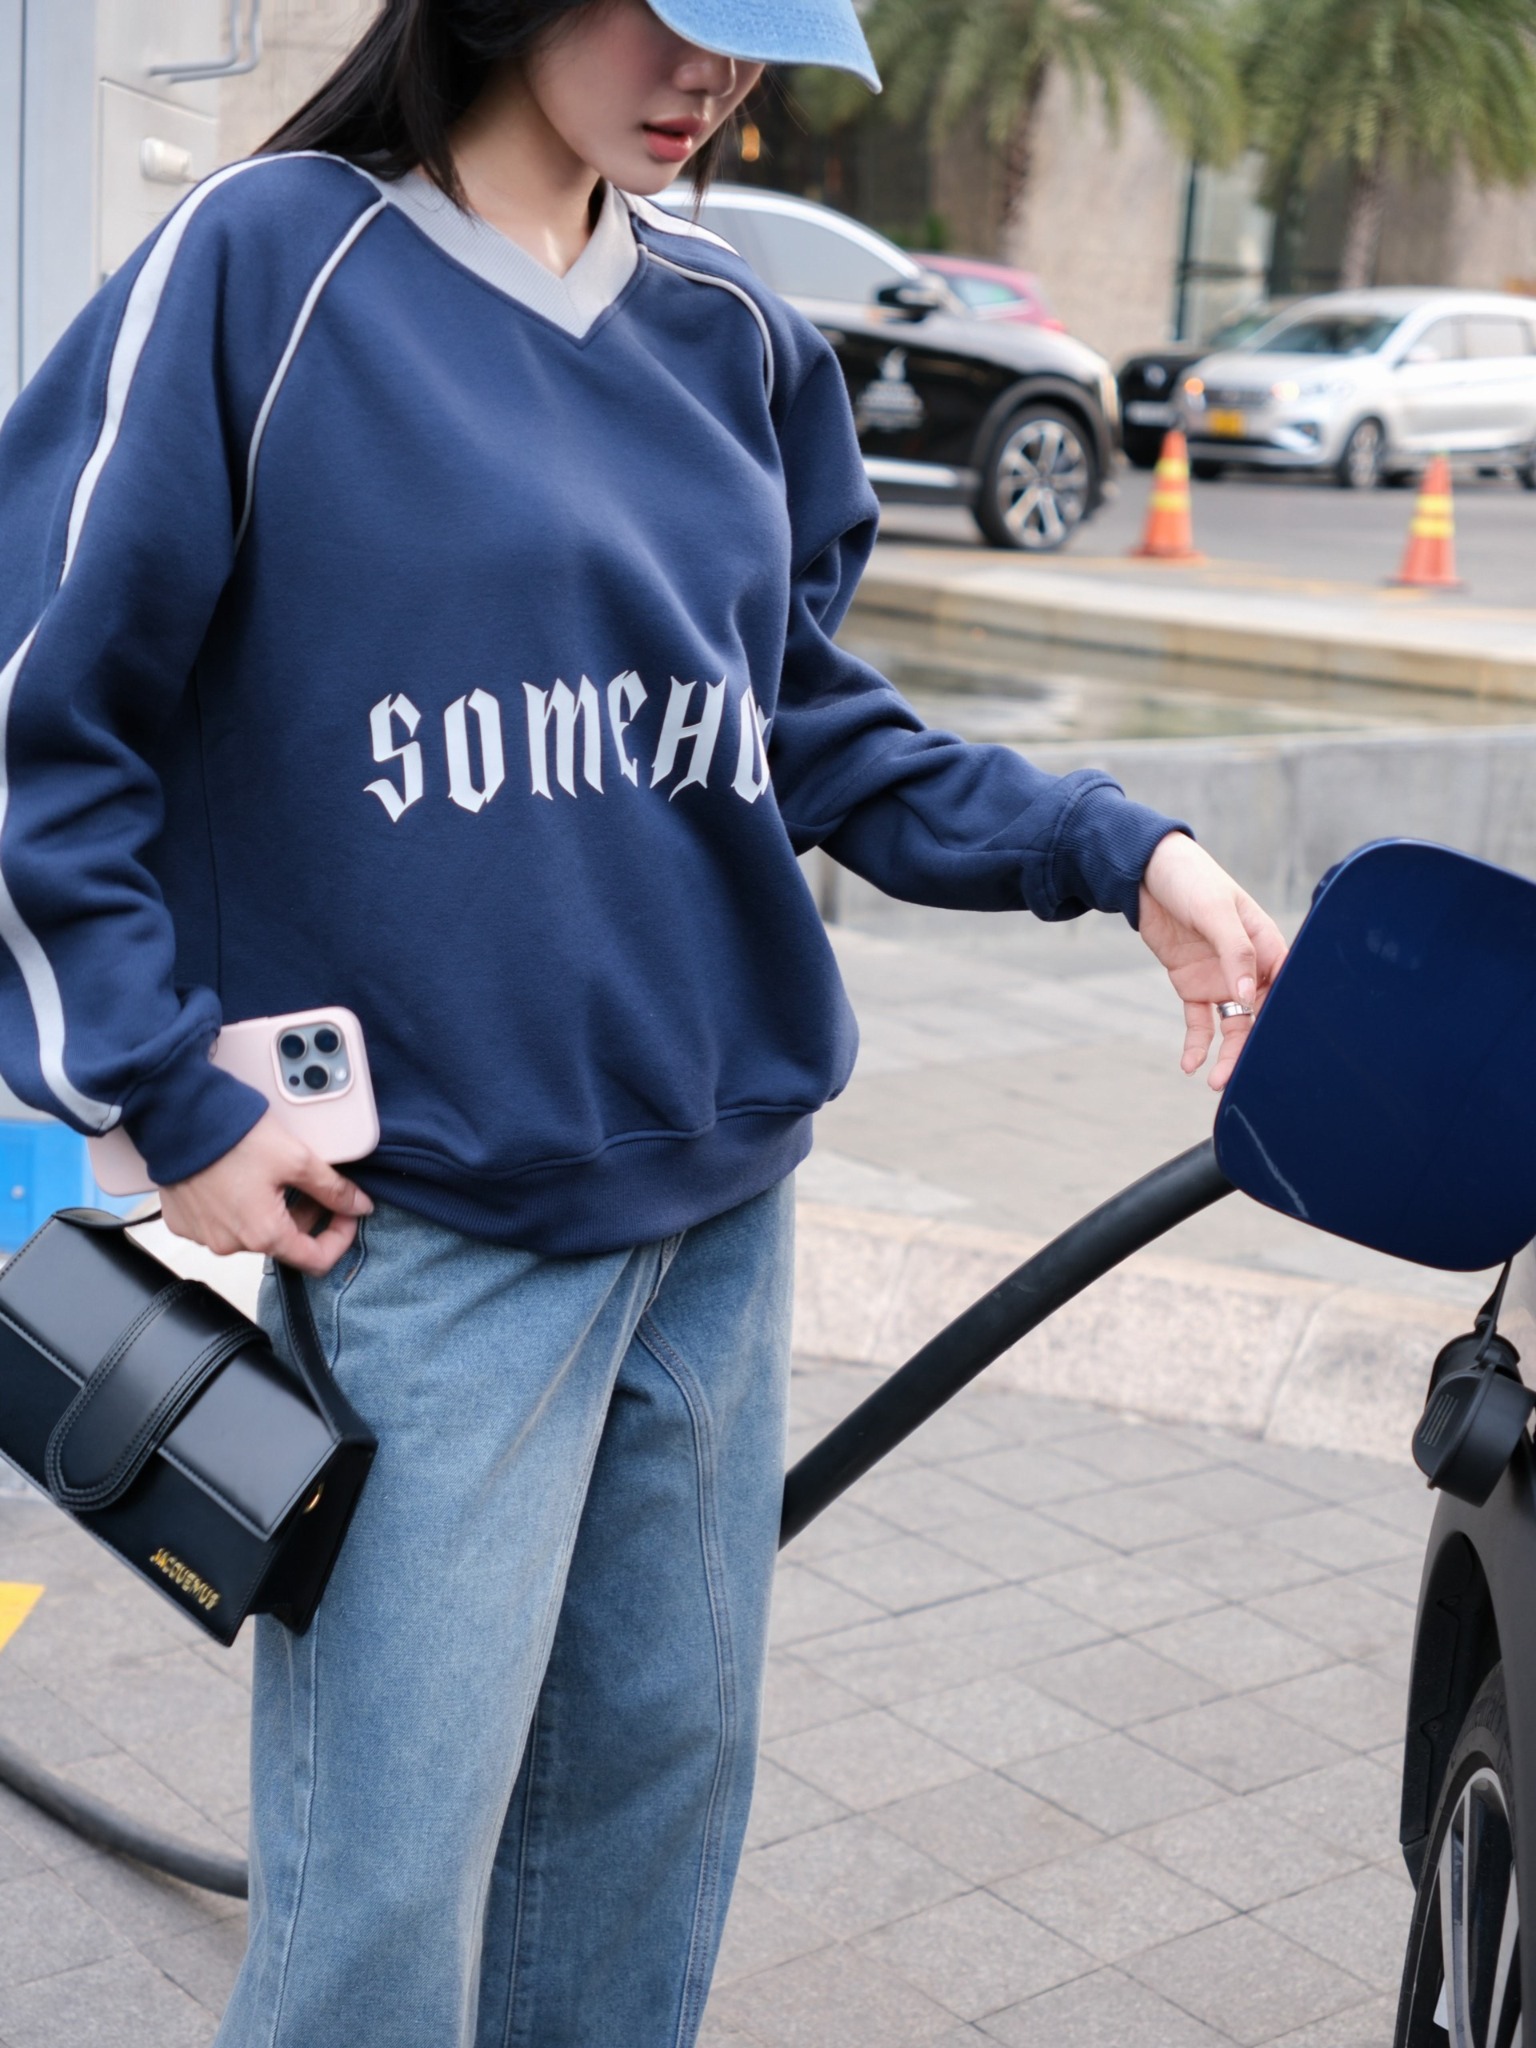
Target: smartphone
x=311, y=1066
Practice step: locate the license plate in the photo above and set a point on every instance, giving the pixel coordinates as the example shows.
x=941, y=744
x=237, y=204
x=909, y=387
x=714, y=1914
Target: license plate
x=1149, y=412
x=1233, y=424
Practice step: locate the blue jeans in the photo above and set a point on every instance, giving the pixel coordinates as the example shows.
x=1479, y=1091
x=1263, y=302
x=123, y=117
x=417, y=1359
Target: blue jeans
x=500, y=1786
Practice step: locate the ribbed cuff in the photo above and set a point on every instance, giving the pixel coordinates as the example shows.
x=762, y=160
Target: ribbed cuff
x=1103, y=847
x=188, y=1115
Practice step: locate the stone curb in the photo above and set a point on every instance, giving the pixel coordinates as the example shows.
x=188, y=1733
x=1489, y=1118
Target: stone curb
x=1343, y=637
x=1288, y=1360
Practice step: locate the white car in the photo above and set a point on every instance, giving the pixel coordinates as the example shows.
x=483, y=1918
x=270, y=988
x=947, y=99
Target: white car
x=1369, y=385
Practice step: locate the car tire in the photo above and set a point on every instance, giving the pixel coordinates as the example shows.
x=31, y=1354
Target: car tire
x=1359, y=466
x=1525, y=470
x=1207, y=472
x=1142, y=452
x=1468, y=1885
x=1039, y=480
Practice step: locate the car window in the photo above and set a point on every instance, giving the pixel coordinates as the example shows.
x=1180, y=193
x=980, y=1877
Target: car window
x=1440, y=343
x=1496, y=334
x=983, y=291
x=1328, y=334
x=806, y=260
x=738, y=227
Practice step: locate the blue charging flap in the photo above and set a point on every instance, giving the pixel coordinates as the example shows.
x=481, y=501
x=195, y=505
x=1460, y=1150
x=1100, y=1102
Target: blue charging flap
x=1387, y=1092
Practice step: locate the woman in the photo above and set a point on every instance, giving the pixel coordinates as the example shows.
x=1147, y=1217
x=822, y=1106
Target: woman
x=424, y=561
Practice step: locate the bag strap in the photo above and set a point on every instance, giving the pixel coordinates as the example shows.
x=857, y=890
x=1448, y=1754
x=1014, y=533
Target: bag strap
x=139, y=1392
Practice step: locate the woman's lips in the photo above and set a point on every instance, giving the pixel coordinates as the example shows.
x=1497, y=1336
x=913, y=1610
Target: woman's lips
x=671, y=142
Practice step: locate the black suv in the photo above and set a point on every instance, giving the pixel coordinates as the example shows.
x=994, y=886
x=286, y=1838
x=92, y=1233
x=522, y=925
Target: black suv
x=1016, y=423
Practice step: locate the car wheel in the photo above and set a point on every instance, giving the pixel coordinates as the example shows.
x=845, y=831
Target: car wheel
x=1207, y=472
x=1038, y=483
x=1143, y=450
x=1360, y=459
x=1461, y=1981
x=1525, y=470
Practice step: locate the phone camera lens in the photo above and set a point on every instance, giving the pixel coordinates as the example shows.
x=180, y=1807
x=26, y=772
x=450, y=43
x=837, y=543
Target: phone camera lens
x=291, y=1046
x=316, y=1078
x=327, y=1041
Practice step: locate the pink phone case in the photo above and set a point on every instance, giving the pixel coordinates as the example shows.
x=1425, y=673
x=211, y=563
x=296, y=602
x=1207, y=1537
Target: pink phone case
x=339, y=1125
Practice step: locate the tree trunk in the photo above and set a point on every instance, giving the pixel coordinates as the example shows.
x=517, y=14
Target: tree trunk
x=1018, y=153
x=1362, y=225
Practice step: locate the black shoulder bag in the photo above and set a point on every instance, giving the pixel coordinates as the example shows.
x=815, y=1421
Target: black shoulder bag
x=165, y=1423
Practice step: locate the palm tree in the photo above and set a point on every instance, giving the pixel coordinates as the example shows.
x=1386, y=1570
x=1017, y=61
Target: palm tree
x=1390, y=85
x=988, y=60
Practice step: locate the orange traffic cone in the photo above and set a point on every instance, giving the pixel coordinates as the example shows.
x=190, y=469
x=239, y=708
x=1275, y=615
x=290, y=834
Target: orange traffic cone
x=1429, y=560
x=1169, y=536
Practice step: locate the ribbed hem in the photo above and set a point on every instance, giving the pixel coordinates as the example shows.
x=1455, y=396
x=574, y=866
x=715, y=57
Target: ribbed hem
x=188, y=1115
x=638, y=1192
x=1102, y=850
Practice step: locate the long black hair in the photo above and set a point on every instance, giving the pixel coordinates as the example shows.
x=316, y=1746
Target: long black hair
x=392, y=100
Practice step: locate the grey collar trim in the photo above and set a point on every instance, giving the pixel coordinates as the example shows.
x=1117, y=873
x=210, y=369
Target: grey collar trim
x=572, y=302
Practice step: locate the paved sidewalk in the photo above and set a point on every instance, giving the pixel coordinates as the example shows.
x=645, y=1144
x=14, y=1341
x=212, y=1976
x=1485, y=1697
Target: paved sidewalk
x=1080, y=1735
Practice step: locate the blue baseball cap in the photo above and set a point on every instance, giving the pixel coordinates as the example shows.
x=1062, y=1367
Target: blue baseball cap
x=776, y=32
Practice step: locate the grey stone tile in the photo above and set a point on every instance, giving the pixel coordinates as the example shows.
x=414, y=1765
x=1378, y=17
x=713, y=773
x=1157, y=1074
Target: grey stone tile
x=1103, y=2010
x=1240, y=1744
x=919, y=1498
x=1359, y=1922
x=784, y=1805
x=1018, y=1543
x=796, y=1695
x=984, y=1827
x=933, y=1648
x=1124, y=1593
x=48, y=1727
x=762, y=1931
x=844, y=1526
x=122, y=1779
x=208, y=1767
x=121, y=2003
x=164, y=1698
x=805, y=1604
x=1245, y=1981
x=1235, y=1496
x=1399, y=1578
x=836, y=1996
x=1363, y=2026
x=1114, y=1784
x=896, y=1675
x=1112, y=1901
x=1119, y=1682
x=964, y=1429
x=1242, y=1853
x=721, y=2034
x=1130, y=1517
x=204, y=1962
x=1353, y=1805
x=1028, y=1474
x=995, y=1719
x=45, y=1927
x=1341, y=1540
x=1237, y=1565
x=1235, y=1649
x=975, y=1953
x=1350, y=1703
x=867, y=1760
x=1408, y=1506
x=851, y=1876
x=1131, y=1452
x=906, y=1572
x=142, y=1904
x=1346, y=1617
x=1329, y=1475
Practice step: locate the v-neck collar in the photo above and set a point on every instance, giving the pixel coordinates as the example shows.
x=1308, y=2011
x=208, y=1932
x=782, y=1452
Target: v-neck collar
x=573, y=302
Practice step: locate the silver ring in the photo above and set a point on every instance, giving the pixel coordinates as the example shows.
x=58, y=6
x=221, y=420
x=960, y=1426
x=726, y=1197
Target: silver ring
x=1234, y=1010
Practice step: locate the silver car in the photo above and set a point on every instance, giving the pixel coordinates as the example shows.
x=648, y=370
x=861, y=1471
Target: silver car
x=1369, y=385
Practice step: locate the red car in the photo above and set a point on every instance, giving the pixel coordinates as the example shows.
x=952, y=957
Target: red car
x=991, y=291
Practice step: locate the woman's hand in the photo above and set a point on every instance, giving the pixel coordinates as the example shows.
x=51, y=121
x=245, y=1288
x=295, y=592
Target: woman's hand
x=1216, y=943
x=240, y=1203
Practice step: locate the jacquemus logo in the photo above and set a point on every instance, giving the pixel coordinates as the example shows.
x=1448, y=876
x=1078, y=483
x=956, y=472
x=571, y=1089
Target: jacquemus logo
x=183, y=1576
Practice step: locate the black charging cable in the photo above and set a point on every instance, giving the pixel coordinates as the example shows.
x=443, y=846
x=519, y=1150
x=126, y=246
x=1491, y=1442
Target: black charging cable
x=1167, y=1196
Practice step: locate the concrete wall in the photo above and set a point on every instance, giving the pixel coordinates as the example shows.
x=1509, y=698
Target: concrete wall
x=1449, y=231
x=1101, y=218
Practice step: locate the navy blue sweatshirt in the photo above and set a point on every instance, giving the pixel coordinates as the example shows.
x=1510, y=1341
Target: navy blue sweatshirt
x=385, y=621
